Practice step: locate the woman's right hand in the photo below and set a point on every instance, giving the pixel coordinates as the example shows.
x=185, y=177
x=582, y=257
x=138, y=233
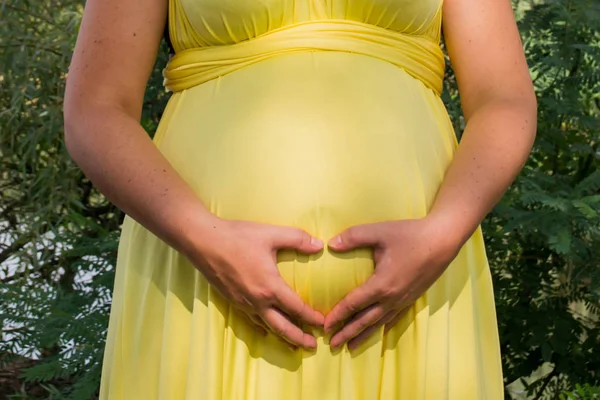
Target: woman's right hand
x=103, y=104
x=239, y=259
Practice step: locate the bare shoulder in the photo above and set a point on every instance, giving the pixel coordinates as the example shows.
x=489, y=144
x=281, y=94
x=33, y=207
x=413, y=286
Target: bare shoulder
x=115, y=51
x=486, y=51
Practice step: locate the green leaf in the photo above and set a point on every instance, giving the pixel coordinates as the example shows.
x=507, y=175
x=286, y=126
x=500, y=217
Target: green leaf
x=546, y=352
x=561, y=241
x=585, y=209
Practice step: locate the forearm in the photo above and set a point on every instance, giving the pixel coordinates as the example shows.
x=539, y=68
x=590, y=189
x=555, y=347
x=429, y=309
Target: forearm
x=494, y=147
x=116, y=154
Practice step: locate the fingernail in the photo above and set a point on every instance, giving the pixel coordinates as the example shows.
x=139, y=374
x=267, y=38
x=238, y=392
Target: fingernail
x=316, y=242
x=335, y=241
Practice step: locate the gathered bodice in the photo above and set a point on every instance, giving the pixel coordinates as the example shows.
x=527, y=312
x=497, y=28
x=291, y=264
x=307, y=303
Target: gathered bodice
x=200, y=23
x=215, y=37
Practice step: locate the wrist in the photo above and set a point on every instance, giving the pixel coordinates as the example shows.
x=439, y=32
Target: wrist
x=447, y=232
x=199, y=233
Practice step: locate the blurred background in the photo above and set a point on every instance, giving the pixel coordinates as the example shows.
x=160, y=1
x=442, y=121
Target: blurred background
x=59, y=235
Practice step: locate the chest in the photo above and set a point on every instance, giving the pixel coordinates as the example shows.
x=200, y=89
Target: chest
x=217, y=22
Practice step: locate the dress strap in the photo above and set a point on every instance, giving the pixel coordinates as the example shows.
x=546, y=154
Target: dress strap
x=167, y=37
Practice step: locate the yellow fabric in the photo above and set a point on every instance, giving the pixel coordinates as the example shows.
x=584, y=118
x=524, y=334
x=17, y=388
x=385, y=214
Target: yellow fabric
x=319, y=114
x=419, y=56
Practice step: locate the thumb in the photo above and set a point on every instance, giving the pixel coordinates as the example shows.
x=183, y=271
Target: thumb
x=296, y=239
x=366, y=235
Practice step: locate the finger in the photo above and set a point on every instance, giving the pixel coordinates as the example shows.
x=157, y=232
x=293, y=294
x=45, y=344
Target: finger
x=260, y=328
x=256, y=319
x=287, y=344
x=358, y=324
x=292, y=304
x=367, y=235
x=355, y=301
x=285, y=329
x=259, y=325
x=284, y=237
x=364, y=335
x=389, y=325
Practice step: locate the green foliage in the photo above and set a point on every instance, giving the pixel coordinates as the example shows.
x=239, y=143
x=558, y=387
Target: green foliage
x=544, y=237
x=59, y=235
x=585, y=392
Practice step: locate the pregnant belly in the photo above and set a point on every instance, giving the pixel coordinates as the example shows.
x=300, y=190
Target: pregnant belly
x=320, y=141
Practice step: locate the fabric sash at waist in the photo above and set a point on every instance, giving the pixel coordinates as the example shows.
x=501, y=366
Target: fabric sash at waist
x=418, y=56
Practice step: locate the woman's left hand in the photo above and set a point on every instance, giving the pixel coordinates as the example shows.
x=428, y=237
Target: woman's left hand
x=410, y=255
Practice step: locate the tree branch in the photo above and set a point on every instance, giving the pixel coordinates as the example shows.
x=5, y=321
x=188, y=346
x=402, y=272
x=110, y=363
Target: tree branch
x=547, y=380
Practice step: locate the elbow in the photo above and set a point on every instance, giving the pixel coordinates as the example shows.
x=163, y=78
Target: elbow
x=68, y=118
x=72, y=114
x=530, y=108
x=525, y=111
x=529, y=102
x=518, y=100
x=523, y=102
x=80, y=115
x=521, y=106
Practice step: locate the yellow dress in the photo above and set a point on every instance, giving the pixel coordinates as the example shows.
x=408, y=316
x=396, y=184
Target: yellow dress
x=318, y=114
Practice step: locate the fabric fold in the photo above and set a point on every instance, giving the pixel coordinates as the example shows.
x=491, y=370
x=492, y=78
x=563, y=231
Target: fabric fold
x=420, y=57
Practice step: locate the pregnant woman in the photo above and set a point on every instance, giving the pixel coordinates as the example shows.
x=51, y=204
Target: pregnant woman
x=303, y=224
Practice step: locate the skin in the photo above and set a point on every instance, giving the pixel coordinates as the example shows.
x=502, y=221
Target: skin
x=500, y=108
x=102, y=109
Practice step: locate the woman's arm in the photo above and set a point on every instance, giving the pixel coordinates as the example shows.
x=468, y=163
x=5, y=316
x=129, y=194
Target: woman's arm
x=500, y=108
x=114, y=55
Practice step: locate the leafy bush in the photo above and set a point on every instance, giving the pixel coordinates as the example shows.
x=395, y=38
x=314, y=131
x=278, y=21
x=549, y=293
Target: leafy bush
x=585, y=392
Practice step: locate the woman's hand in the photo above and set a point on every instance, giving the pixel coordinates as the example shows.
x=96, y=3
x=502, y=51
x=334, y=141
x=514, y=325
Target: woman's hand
x=239, y=259
x=410, y=255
